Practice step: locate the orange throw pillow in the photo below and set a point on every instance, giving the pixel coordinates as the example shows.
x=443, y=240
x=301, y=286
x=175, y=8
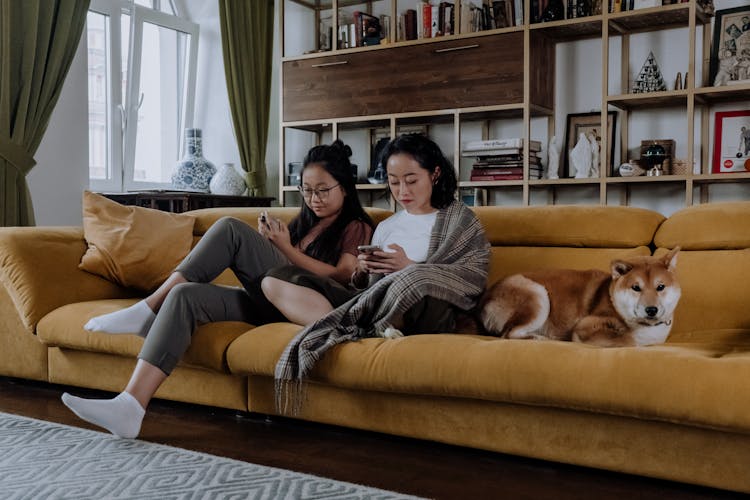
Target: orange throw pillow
x=133, y=246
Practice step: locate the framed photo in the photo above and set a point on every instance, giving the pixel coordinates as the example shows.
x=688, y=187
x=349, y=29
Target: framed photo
x=587, y=123
x=730, y=52
x=732, y=142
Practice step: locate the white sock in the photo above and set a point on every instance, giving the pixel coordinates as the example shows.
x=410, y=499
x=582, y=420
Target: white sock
x=122, y=415
x=135, y=319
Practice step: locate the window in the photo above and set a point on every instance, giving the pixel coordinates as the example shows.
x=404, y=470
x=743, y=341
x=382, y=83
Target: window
x=141, y=86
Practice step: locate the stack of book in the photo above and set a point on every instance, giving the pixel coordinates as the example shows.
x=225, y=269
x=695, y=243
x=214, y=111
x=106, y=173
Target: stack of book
x=502, y=159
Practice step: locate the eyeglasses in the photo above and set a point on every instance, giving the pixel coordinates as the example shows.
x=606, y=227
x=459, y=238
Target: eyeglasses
x=321, y=193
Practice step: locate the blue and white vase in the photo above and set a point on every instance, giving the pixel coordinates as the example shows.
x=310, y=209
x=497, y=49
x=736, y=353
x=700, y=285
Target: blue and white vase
x=193, y=172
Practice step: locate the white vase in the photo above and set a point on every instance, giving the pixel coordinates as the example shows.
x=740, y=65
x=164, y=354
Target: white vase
x=227, y=181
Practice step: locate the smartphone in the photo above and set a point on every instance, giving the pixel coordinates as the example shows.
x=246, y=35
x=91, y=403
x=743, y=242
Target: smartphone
x=368, y=248
x=264, y=219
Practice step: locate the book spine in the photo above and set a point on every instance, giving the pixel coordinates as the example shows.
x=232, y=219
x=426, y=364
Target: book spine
x=434, y=22
x=357, y=15
x=426, y=20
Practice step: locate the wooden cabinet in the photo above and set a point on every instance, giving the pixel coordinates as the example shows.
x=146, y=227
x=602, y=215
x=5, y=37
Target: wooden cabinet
x=425, y=77
x=497, y=83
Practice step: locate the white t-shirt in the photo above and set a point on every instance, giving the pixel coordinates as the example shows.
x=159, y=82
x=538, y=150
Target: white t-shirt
x=412, y=232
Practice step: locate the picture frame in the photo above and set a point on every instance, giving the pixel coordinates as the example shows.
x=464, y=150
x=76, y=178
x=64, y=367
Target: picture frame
x=577, y=123
x=730, y=50
x=731, y=142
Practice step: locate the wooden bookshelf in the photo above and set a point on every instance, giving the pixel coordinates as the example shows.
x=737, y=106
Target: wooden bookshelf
x=488, y=77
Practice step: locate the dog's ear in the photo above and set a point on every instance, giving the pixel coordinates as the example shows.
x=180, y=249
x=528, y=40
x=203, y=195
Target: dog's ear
x=670, y=260
x=620, y=268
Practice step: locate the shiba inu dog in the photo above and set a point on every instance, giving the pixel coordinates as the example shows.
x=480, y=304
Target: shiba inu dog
x=631, y=306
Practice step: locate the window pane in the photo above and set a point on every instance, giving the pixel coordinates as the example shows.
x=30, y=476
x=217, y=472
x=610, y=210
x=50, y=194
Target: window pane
x=124, y=50
x=163, y=59
x=97, y=36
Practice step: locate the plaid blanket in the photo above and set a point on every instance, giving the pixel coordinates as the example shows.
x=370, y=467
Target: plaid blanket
x=455, y=271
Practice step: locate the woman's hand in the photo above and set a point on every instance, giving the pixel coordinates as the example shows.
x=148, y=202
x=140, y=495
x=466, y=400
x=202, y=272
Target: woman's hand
x=384, y=262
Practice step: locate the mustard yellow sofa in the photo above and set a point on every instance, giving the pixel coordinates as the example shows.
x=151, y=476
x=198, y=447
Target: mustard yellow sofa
x=678, y=411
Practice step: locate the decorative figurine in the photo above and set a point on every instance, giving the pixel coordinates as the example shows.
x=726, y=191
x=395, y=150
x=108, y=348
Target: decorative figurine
x=649, y=79
x=580, y=157
x=553, y=159
x=653, y=157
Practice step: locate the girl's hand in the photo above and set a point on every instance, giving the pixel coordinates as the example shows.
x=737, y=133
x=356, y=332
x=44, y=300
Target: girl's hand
x=277, y=232
x=385, y=262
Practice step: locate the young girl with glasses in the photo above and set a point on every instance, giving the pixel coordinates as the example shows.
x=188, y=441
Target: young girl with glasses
x=319, y=245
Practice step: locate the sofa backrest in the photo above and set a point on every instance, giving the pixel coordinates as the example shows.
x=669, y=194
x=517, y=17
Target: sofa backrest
x=713, y=267
x=565, y=236
x=204, y=218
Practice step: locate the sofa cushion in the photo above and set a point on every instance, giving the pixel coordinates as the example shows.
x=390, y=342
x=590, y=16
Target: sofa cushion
x=507, y=260
x=63, y=327
x=569, y=226
x=699, y=383
x=714, y=226
x=133, y=246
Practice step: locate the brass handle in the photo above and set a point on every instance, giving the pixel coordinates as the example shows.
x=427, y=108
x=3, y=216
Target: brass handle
x=451, y=49
x=321, y=65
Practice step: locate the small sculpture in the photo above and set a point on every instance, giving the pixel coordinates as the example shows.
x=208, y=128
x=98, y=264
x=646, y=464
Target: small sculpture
x=553, y=159
x=593, y=140
x=678, y=81
x=726, y=69
x=654, y=157
x=580, y=157
x=649, y=79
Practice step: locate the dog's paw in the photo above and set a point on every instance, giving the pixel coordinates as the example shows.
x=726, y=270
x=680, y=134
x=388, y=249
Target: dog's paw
x=391, y=333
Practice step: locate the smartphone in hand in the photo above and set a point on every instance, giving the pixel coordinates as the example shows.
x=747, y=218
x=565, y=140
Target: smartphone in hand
x=369, y=248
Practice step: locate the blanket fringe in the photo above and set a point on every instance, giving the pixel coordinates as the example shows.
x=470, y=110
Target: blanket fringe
x=289, y=396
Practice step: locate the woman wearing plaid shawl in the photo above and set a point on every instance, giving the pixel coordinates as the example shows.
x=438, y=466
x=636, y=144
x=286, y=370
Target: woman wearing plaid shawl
x=433, y=262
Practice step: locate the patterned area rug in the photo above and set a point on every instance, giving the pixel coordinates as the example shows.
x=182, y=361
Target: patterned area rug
x=52, y=461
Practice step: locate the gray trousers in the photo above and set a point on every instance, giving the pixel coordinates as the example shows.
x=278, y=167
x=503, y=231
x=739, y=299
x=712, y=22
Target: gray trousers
x=229, y=243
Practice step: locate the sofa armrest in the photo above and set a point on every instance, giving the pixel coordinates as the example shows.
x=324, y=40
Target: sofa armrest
x=39, y=269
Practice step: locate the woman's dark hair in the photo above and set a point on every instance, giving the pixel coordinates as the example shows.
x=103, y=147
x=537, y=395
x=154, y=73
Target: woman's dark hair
x=428, y=155
x=327, y=246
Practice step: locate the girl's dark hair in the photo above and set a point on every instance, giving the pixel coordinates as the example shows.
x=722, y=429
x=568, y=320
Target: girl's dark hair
x=428, y=155
x=327, y=246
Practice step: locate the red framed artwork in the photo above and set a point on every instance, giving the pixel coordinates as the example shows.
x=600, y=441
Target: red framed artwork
x=732, y=142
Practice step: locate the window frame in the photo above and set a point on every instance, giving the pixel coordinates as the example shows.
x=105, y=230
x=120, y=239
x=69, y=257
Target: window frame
x=122, y=119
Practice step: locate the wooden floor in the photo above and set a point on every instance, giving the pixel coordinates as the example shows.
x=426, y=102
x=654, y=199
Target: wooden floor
x=398, y=464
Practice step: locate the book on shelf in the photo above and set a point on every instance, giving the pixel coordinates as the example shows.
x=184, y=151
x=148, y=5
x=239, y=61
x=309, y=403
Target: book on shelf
x=446, y=18
x=410, y=25
x=510, y=177
x=518, y=12
x=483, y=153
x=515, y=142
x=505, y=170
x=533, y=162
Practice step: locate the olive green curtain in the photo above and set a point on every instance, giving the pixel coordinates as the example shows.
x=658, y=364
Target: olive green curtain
x=247, y=42
x=38, y=39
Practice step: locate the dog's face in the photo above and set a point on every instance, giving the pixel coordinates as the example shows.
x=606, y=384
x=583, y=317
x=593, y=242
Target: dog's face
x=645, y=291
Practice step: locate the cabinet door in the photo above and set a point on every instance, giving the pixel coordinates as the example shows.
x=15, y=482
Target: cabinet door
x=470, y=72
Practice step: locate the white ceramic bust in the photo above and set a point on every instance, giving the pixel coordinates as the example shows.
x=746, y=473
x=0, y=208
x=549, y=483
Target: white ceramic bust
x=580, y=158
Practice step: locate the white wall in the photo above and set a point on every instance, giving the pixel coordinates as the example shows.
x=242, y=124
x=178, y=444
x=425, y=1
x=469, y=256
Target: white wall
x=62, y=170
